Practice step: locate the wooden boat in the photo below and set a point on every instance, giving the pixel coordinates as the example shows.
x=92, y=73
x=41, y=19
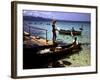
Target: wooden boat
x=34, y=59
x=65, y=50
x=69, y=32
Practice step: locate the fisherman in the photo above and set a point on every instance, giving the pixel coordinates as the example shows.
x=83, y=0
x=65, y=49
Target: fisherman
x=54, y=31
x=75, y=42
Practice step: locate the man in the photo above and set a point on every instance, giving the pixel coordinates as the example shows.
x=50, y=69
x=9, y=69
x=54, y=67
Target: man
x=54, y=31
x=75, y=42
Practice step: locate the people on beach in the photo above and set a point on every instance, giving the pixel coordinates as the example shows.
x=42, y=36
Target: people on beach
x=54, y=31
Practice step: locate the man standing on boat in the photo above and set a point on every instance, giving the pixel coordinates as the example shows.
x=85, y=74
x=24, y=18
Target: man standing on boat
x=54, y=31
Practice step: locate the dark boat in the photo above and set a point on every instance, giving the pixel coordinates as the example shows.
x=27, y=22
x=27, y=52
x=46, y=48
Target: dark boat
x=34, y=59
x=69, y=32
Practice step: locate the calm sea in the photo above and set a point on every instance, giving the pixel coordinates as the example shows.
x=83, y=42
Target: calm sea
x=37, y=26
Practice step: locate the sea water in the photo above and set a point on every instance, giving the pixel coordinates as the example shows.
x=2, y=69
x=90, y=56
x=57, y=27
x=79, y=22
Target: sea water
x=83, y=58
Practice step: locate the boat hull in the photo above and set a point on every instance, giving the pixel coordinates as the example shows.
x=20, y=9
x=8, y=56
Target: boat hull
x=69, y=32
x=33, y=60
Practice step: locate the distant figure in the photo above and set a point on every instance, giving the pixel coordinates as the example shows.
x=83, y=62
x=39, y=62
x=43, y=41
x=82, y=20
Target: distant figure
x=54, y=31
x=81, y=28
x=73, y=29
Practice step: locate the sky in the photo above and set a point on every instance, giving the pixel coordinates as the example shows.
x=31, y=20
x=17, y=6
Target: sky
x=69, y=16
